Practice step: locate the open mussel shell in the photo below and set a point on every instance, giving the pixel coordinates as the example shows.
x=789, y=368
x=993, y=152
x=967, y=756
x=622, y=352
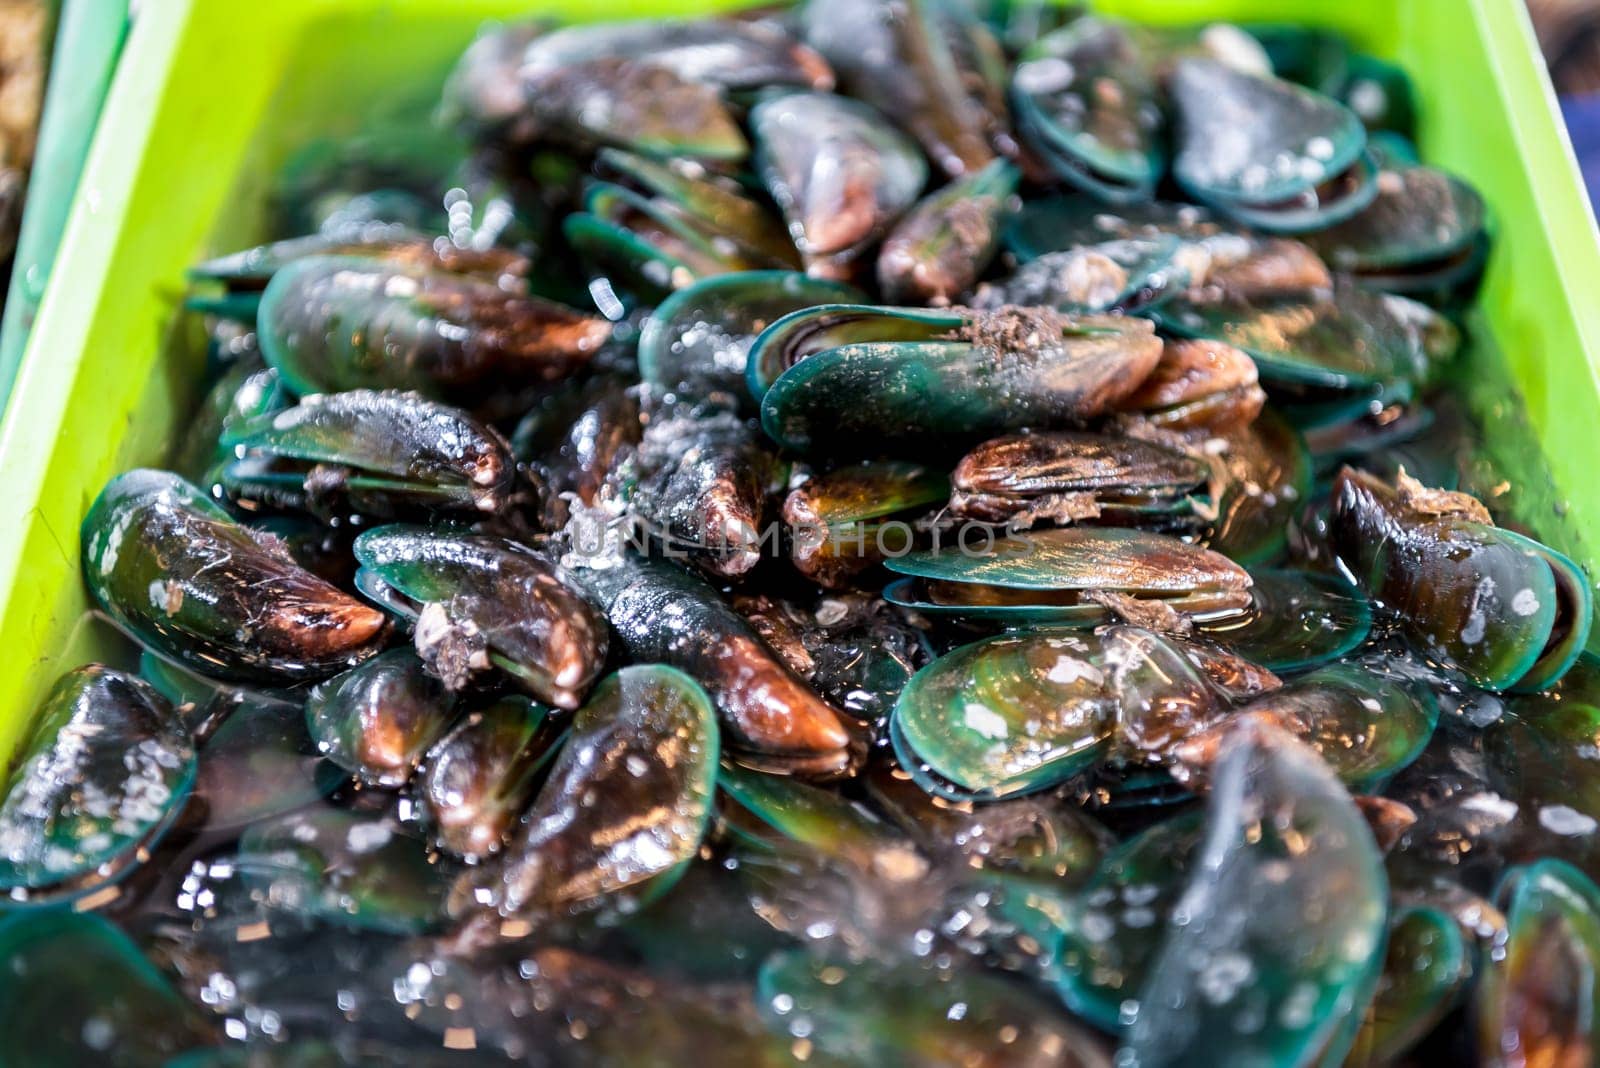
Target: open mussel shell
x=625, y=806
x=383, y=450
x=330, y=323
x=1273, y=154
x=480, y=777
x=1425, y=967
x=1364, y=721
x=853, y=378
x=477, y=600
x=107, y=769
x=1344, y=341
x=169, y=566
x=697, y=341
x=1288, y=882
x=76, y=990
x=1296, y=620
x=1498, y=607
x=1536, y=995
x=841, y=173
x=1060, y=575
x=352, y=869
x=937, y=252
x=914, y=1012
x=1087, y=100
x=377, y=720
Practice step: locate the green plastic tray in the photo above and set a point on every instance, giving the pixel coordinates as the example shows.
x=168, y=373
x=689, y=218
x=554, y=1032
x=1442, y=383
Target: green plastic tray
x=212, y=98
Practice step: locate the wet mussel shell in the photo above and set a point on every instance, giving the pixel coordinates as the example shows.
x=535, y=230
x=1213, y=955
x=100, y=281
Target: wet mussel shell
x=480, y=777
x=171, y=568
x=849, y=378
x=1296, y=620
x=1045, y=576
x=697, y=341
x=1272, y=154
x=106, y=771
x=353, y=869
x=1025, y=711
x=479, y=599
x=377, y=720
x=386, y=450
x=1288, y=883
x=1500, y=608
x=625, y=806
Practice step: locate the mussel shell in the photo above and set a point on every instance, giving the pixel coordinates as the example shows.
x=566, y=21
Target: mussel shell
x=480, y=777
x=76, y=990
x=938, y=251
x=732, y=54
x=625, y=807
x=1425, y=967
x=170, y=567
x=330, y=323
x=1039, y=576
x=697, y=341
x=1498, y=607
x=861, y=379
x=1059, y=224
x=663, y=613
x=106, y=770
x=903, y=60
x=824, y=821
x=1251, y=139
x=492, y=592
x=1199, y=385
x=1297, y=620
x=355, y=870
x=840, y=172
x=378, y=719
x=632, y=103
x=259, y=764
x=1537, y=994
x=1131, y=481
x=1268, y=481
x=1366, y=722
x=1131, y=274
x=1087, y=99
x=1288, y=897
x=1344, y=340
x=398, y=449
x=843, y=522
x=1120, y=917
x=389, y=242
x=1421, y=216
x=912, y=1012
x=1005, y=716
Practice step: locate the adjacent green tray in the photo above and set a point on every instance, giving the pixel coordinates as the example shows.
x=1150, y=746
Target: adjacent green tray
x=211, y=99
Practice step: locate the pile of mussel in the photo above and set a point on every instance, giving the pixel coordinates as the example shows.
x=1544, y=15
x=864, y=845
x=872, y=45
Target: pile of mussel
x=887, y=532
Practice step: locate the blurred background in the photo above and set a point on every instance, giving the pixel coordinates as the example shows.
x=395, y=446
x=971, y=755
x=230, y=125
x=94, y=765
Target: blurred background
x=57, y=58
